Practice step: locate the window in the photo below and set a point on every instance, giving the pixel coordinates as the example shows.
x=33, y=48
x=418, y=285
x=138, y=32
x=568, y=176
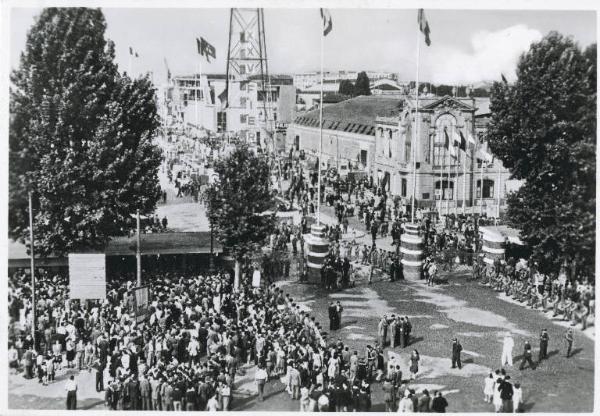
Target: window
x=404, y=186
x=446, y=192
x=488, y=188
x=243, y=118
x=242, y=36
x=243, y=101
x=251, y=121
x=426, y=195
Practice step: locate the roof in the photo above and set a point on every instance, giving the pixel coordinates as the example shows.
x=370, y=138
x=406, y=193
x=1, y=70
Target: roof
x=155, y=243
x=386, y=87
x=356, y=115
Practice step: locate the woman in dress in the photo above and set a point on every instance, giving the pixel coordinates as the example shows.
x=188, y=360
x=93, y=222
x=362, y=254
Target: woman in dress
x=414, y=364
x=488, y=388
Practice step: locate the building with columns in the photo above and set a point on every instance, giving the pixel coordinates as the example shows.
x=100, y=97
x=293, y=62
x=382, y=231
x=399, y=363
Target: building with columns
x=377, y=133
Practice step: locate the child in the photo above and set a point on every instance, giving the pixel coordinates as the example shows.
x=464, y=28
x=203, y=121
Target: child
x=517, y=397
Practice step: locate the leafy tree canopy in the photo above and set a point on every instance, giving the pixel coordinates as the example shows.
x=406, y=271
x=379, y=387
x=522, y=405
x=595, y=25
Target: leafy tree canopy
x=238, y=200
x=80, y=136
x=362, y=86
x=346, y=87
x=543, y=128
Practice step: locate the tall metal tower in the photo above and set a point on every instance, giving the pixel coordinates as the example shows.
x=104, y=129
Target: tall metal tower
x=247, y=59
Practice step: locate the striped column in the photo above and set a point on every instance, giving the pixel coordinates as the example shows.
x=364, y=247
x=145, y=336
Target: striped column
x=493, y=246
x=318, y=247
x=411, y=247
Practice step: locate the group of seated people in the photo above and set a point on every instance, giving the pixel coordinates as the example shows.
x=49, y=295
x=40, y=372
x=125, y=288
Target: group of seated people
x=572, y=300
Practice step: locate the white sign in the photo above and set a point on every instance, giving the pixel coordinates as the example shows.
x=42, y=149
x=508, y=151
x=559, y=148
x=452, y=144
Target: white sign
x=87, y=276
x=256, y=278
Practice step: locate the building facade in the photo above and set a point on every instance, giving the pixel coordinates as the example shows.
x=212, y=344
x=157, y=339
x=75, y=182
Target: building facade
x=391, y=137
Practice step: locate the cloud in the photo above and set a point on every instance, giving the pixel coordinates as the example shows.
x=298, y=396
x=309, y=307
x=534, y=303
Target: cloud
x=494, y=53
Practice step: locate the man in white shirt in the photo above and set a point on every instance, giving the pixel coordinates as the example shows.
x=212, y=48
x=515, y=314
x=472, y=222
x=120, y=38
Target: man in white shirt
x=71, y=388
x=261, y=378
x=509, y=343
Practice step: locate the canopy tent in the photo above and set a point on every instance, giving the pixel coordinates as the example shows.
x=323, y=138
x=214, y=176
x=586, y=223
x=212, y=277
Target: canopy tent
x=509, y=234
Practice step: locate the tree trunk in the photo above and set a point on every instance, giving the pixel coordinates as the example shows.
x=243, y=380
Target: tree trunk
x=236, y=278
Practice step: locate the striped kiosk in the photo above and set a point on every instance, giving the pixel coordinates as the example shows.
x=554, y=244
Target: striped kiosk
x=494, y=244
x=411, y=247
x=318, y=247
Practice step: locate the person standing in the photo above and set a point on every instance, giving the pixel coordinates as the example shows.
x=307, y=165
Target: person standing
x=145, y=392
x=488, y=388
x=527, y=356
x=517, y=398
x=338, y=310
x=414, y=364
x=332, y=312
x=439, y=403
x=382, y=331
x=506, y=394
x=406, y=404
x=456, y=349
x=261, y=378
x=569, y=341
x=71, y=388
x=389, y=392
x=507, y=348
x=544, y=338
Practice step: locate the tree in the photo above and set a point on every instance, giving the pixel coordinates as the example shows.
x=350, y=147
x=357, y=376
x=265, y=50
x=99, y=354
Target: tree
x=543, y=128
x=237, y=203
x=362, y=86
x=346, y=87
x=80, y=136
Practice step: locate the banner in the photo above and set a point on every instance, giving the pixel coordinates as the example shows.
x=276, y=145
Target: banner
x=87, y=276
x=141, y=302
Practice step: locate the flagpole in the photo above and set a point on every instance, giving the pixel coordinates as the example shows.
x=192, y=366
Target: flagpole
x=197, y=91
x=416, y=130
x=320, y=137
x=455, y=194
x=448, y=185
x=130, y=74
x=464, y=210
x=481, y=184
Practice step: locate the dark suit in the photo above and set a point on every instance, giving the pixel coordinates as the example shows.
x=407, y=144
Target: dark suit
x=456, y=349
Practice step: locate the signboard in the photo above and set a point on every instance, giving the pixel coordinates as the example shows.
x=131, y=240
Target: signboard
x=87, y=276
x=141, y=302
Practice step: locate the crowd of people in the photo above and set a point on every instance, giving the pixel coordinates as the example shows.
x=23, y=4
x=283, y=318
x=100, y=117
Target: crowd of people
x=197, y=339
x=572, y=299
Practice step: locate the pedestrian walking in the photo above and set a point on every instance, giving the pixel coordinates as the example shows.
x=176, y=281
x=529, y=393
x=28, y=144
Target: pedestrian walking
x=527, y=356
x=414, y=364
x=71, y=388
x=517, y=398
x=456, y=349
x=544, y=339
x=261, y=378
x=569, y=341
x=488, y=388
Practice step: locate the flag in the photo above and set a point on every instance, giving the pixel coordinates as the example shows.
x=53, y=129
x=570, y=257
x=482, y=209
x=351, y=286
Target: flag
x=424, y=26
x=327, y=22
x=206, y=49
x=130, y=51
x=223, y=99
x=446, y=139
x=471, y=140
x=136, y=55
x=463, y=142
x=504, y=78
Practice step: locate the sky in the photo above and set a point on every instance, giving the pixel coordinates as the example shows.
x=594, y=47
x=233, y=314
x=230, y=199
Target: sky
x=467, y=46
